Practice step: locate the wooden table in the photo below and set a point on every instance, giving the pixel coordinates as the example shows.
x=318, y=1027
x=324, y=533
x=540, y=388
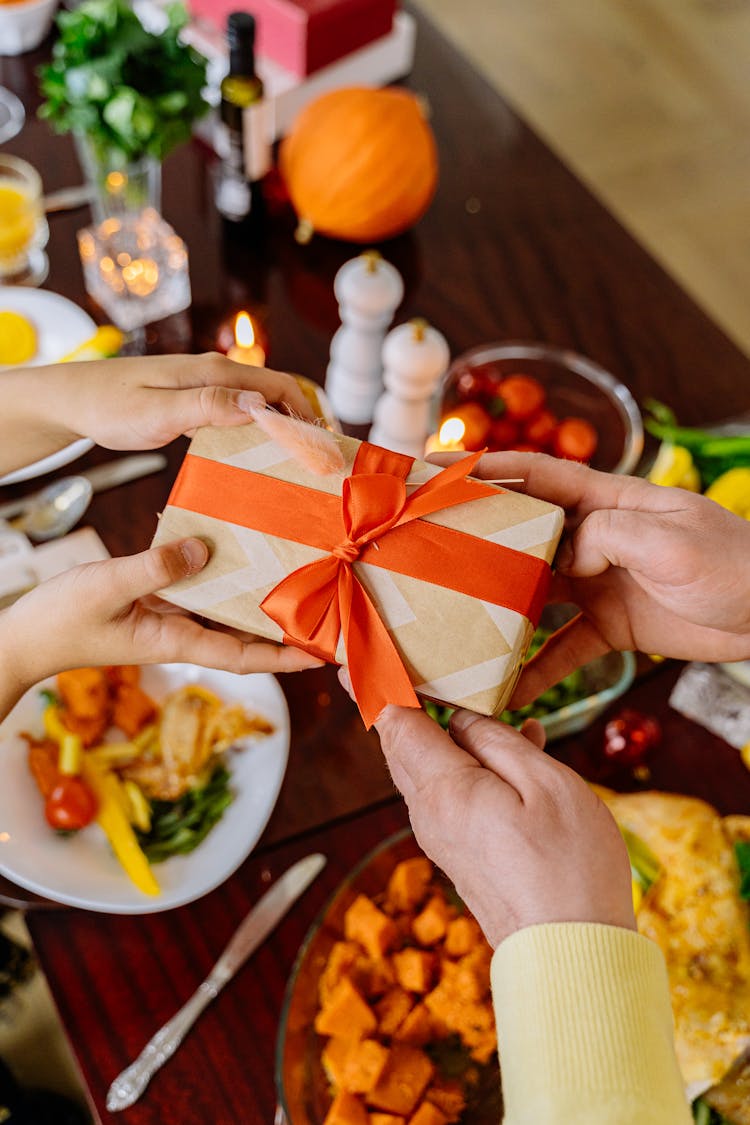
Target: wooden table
x=513, y=247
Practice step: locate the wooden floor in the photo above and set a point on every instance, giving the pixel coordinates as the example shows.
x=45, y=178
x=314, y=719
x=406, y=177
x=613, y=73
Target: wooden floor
x=649, y=102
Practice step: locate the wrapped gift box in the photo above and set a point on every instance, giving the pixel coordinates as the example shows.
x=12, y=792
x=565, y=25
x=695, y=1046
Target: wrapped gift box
x=305, y=35
x=459, y=589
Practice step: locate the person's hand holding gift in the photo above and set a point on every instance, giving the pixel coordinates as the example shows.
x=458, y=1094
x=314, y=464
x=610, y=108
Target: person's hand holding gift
x=140, y=403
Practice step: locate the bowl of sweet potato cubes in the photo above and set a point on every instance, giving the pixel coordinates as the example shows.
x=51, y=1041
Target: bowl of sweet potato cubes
x=388, y=1016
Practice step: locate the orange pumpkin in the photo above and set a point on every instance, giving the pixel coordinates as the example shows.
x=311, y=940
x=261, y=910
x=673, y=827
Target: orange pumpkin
x=360, y=164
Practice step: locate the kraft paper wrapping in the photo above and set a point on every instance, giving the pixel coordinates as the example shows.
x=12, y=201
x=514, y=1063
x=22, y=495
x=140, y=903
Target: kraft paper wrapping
x=456, y=649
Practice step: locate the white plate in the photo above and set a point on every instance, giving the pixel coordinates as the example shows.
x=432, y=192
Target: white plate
x=61, y=326
x=81, y=870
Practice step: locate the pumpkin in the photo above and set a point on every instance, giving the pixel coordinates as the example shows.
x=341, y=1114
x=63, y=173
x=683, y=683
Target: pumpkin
x=360, y=164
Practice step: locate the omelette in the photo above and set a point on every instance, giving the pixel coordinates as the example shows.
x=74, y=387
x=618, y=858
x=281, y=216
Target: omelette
x=694, y=913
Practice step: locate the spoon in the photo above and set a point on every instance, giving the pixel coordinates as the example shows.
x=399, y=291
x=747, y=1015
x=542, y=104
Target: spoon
x=55, y=509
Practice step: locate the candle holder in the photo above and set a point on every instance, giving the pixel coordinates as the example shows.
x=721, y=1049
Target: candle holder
x=136, y=268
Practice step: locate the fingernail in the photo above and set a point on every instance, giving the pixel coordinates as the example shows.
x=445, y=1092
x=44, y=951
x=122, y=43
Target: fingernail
x=461, y=720
x=249, y=401
x=564, y=557
x=195, y=553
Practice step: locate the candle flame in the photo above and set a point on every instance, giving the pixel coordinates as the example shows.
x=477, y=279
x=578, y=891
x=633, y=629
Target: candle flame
x=244, y=333
x=451, y=431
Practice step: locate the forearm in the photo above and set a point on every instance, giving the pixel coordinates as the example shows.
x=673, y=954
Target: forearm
x=585, y=1028
x=33, y=422
x=16, y=674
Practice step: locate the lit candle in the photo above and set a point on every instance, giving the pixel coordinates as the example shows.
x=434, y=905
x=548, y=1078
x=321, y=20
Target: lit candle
x=448, y=438
x=246, y=349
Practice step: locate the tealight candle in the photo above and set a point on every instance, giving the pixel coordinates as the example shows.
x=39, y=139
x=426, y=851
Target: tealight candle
x=448, y=438
x=246, y=348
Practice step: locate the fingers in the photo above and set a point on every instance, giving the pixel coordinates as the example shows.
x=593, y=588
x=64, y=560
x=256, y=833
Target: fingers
x=641, y=542
x=575, y=644
x=501, y=749
x=135, y=576
x=535, y=732
x=274, y=386
x=211, y=649
x=418, y=752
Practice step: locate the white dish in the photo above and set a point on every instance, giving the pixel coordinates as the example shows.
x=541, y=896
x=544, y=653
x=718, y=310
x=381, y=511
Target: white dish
x=81, y=870
x=61, y=326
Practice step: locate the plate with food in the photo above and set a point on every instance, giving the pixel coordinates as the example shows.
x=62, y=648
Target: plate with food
x=130, y=790
x=37, y=328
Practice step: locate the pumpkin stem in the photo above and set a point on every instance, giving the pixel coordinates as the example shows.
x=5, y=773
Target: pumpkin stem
x=372, y=259
x=419, y=327
x=304, y=232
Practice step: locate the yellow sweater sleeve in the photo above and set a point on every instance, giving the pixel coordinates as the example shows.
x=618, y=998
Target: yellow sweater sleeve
x=585, y=1029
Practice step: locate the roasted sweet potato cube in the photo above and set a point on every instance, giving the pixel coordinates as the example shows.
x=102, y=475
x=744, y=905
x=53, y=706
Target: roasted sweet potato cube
x=403, y=1081
x=462, y=936
x=415, y=969
x=484, y=1046
x=364, y=1065
x=345, y=1014
x=333, y=1058
x=341, y=959
x=90, y=731
x=428, y=1114
x=392, y=1009
x=418, y=1028
x=133, y=709
x=346, y=1109
x=373, y=929
x=373, y=977
x=123, y=674
x=448, y=1095
x=431, y=925
x=386, y=1119
x=84, y=692
x=470, y=980
x=408, y=884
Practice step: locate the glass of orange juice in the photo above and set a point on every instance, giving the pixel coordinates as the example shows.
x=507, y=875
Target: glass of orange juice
x=23, y=227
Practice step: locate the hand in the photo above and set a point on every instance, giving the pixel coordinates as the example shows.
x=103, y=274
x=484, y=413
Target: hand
x=652, y=569
x=104, y=613
x=522, y=837
x=140, y=403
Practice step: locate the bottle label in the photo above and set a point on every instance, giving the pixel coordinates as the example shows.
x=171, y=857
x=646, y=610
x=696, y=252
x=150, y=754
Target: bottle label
x=256, y=128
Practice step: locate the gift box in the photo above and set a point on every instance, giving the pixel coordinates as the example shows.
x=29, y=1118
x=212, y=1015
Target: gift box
x=419, y=579
x=305, y=35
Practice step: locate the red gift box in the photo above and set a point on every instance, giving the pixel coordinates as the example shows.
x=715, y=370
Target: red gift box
x=305, y=35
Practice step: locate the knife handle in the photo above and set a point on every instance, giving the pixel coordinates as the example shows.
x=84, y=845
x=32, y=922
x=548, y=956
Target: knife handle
x=128, y=1086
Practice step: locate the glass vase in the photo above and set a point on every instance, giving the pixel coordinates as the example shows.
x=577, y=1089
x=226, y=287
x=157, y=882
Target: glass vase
x=119, y=187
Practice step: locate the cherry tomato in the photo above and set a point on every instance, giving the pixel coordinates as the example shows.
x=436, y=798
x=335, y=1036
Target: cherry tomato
x=523, y=395
x=478, y=382
x=476, y=422
x=575, y=439
x=70, y=805
x=541, y=429
x=630, y=737
x=503, y=433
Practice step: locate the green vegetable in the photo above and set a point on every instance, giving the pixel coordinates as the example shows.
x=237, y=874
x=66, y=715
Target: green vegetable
x=742, y=854
x=704, y=1115
x=713, y=455
x=644, y=865
x=177, y=827
x=132, y=93
x=49, y=698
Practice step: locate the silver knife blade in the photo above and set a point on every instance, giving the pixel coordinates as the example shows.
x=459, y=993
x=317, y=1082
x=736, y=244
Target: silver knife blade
x=100, y=477
x=251, y=932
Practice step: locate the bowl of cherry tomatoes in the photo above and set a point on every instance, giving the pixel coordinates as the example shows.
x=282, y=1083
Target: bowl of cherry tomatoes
x=541, y=399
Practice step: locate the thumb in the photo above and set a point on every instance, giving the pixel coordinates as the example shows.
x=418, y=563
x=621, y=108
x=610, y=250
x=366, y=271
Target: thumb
x=135, y=576
x=613, y=537
x=194, y=407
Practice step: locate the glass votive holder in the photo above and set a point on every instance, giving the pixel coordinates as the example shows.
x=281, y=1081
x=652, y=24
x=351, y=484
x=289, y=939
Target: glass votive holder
x=136, y=268
x=23, y=227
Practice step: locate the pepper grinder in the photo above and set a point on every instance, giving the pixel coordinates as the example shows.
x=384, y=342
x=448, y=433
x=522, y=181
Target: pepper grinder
x=415, y=356
x=368, y=290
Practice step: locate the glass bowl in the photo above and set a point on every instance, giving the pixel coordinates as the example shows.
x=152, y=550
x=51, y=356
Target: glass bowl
x=301, y=1084
x=575, y=387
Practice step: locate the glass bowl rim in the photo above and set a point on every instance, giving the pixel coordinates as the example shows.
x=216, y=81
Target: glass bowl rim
x=618, y=394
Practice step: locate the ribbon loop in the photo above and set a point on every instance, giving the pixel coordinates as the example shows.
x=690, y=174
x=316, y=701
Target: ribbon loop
x=347, y=551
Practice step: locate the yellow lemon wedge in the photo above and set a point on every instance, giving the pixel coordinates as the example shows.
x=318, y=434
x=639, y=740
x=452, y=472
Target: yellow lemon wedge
x=105, y=342
x=674, y=468
x=732, y=491
x=17, y=338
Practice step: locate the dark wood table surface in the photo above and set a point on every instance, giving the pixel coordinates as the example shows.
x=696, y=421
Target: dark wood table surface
x=533, y=256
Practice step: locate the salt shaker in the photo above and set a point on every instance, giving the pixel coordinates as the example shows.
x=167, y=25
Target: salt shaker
x=415, y=356
x=368, y=290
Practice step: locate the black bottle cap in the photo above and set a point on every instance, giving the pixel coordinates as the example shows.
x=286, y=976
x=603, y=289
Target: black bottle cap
x=241, y=42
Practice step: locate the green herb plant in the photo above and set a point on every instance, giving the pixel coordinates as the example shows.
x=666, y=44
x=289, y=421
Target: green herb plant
x=177, y=827
x=130, y=92
x=713, y=454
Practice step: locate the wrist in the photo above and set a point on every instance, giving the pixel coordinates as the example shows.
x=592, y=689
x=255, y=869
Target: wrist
x=16, y=675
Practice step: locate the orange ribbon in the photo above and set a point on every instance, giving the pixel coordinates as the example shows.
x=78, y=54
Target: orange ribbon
x=373, y=522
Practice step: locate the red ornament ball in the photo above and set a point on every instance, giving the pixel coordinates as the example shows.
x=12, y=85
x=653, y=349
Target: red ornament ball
x=630, y=737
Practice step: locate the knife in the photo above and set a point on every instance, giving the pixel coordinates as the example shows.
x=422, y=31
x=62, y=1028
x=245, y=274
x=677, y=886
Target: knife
x=100, y=477
x=252, y=931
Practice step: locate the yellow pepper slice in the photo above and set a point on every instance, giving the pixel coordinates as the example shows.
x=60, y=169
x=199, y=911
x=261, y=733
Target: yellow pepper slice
x=732, y=491
x=113, y=820
x=637, y=895
x=53, y=724
x=139, y=805
x=69, y=757
x=674, y=468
